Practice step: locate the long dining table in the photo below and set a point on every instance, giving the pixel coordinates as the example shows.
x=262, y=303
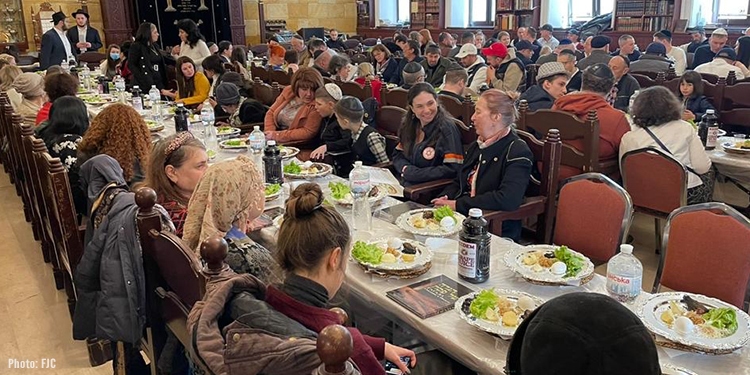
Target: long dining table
x=734, y=166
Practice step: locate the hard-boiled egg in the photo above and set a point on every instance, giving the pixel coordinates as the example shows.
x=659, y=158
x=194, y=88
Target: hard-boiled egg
x=683, y=325
x=447, y=222
x=526, y=303
x=388, y=258
x=307, y=165
x=559, y=268
x=395, y=243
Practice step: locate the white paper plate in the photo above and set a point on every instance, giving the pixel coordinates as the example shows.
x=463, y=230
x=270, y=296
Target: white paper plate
x=231, y=132
x=224, y=144
x=496, y=328
x=513, y=259
x=424, y=256
x=324, y=170
x=650, y=309
x=288, y=152
x=405, y=222
x=731, y=147
x=667, y=369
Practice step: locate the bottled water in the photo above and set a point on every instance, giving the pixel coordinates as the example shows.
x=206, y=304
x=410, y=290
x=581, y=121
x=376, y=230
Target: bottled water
x=359, y=183
x=207, y=117
x=86, y=77
x=137, y=99
x=154, y=97
x=474, y=248
x=379, y=41
x=65, y=66
x=624, y=275
x=257, y=144
x=120, y=88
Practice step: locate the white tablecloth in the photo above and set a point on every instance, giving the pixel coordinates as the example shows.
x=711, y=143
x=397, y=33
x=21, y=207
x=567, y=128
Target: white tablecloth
x=734, y=166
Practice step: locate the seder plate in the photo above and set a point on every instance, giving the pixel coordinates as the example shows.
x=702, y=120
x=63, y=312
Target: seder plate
x=424, y=256
x=405, y=222
x=513, y=259
x=496, y=328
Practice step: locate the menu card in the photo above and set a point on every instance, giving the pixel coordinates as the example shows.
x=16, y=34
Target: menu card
x=429, y=297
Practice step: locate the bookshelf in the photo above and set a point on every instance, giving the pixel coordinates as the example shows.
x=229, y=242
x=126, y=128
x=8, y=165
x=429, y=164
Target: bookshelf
x=427, y=14
x=365, y=12
x=646, y=15
x=512, y=14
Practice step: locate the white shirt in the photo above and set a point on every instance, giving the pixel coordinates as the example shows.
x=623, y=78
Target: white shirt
x=66, y=44
x=552, y=43
x=82, y=36
x=480, y=76
x=720, y=67
x=197, y=53
x=681, y=139
x=680, y=60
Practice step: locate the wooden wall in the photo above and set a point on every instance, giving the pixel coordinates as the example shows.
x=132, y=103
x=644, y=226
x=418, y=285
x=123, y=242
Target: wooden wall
x=68, y=7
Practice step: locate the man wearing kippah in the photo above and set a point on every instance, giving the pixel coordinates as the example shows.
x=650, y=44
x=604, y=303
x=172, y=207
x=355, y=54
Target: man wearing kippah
x=552, y=57
x=599, y=52
x=654, y=60
x=675, y=54
x=706, y=53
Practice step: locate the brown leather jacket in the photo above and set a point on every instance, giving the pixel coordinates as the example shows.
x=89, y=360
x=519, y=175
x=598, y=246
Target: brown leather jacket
x=306, y=124
x=259, y=339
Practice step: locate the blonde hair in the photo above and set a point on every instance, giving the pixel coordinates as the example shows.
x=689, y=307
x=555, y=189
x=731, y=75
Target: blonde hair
x=365, y=69
x=175, y=151
x=502, y=102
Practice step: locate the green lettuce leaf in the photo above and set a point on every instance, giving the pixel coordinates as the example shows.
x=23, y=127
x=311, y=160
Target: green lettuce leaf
x=339, y=190
x=722, y=318
x=573, y=262
x=367, y=253
x=292, y=168
x=486, y=299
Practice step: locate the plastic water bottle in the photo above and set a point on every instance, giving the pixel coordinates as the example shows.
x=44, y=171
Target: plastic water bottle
x=632, y=100
x=257, y=143
x=207, y=117
x=65, y=66
x=120, y=88
x=154, y=96
x=137, y=99
x=249, y=58
x=272, y=164
x=86, y=77
x=359, y=183
x=624, y=275
x=379, y=42
x=474, y=248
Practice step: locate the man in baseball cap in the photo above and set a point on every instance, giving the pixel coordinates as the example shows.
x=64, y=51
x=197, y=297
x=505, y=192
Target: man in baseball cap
x=722, y=64
x=654, y=60
x=525, y=52
x=599, y=52
x=546, y=38
x=505, y=72
x=474, y=64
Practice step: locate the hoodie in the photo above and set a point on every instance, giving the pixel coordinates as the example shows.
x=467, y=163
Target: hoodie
x=538, y=98
x=612, y=125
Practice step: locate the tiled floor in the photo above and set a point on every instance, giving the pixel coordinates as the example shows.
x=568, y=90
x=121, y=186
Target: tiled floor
x=34, y=321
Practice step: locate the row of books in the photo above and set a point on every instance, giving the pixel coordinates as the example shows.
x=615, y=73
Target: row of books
x=422, y=24
x=658, y=23
x=641, y=24
x=510, y=5
x=418, y=17
x=659, y=7
x=510, y=21
x=649, y=7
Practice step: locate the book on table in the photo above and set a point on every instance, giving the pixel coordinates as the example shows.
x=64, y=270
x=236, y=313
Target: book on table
x=429, y=297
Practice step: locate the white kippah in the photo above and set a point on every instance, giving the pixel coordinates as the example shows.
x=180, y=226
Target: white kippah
x=334, y=91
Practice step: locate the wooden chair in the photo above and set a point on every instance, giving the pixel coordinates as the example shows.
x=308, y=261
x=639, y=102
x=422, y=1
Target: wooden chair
x=690, y=58
x=674, y=85
x=396, y=97
x=540, y=195
x=360, y=58
x=461, y=110
x=259, y=72
x=388, y=122
x=92, y=59
x=592, y=200
x=28, y=196
x=70, y=247
x=580, y=138
x=356, y=90
x=279, y=77
x=715, y=91
x=705, y=251
x=5, y=155
x=735, y=96
x=259, y=49
x=352, y=44
x=645, y=80
x=265, y=93
x=712, y=78
x=531, y=72
x=657, y=183
x=370, y=42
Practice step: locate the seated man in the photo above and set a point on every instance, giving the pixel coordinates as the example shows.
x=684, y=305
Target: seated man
x=568, y=59
x=722, y=64
x=706, y=53
x=505, y=71
x=467, y=37
x=323, y=60
x=413, y=73
x=627, y=48
x=525, y=52
x=597, y=82
x=475, y=66
x=552, y=57
x=434, y=65
x=455, y=83
x=411, y=54
x=625, y=84
x=552, y=79
x=334, y=42
x=654, y=60
x=677, y=55
x=582, y=334
x=249, y=111
x=598, y=51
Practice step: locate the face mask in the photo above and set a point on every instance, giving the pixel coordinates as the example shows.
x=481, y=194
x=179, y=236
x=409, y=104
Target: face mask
x=114, y=56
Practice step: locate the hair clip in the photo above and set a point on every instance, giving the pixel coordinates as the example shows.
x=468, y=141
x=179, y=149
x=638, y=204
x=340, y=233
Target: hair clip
x=177, y=143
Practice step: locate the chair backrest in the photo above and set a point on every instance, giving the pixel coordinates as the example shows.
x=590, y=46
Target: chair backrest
x=462, y=110
x=580, y=137
x=735, y=96
x=655, y=180
x=714, y=91
x=690, y=58
x=673, y=85
x=396, y=97
x=531, y=72
x=259, y=49
x=356, y=90
x=265, y=93
x=92, y=59
x=644, y=79
x=468, y=134
x=712, y=78
x=705, y=250
x=370, y=42
x=352, y=43
x=360, y=58
x=739, y=117
x=388, y=122
x=65, y=209
x=592, y=200
x=282, y=78
x=259, y=72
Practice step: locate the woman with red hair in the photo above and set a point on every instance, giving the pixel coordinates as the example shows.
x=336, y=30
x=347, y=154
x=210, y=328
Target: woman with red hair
x=276, y=58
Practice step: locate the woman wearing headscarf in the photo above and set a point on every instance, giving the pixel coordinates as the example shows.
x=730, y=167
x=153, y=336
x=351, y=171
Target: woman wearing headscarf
x=226, y=201
x=31, y=87
x=8, y=75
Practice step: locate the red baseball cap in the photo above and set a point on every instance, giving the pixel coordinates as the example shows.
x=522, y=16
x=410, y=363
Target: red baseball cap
x=496, y=49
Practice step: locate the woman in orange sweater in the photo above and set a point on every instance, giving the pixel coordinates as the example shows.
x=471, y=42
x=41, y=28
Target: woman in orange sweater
x=192, y=86
x=293, y=118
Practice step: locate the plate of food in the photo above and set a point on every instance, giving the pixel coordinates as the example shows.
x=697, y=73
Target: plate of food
x=742, y=147
x=497, y=311
x=154, y=126
x=234, y=144
x=272, y=191
x=227, y=131
x=549, y=264
x=667, y=369
x=95, y=99
x=696, y=321
x=341, y=194
x=307, y=169
x=391, y=254
x=433, y=222
x=288, y=152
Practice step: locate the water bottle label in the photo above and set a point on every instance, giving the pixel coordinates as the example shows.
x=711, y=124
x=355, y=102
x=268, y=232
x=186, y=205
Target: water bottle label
x=713, y=136
x=360, y=185
x=623, y=286
x=467, y=259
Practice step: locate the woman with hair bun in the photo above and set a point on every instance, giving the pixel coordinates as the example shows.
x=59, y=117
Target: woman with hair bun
x=497, y=167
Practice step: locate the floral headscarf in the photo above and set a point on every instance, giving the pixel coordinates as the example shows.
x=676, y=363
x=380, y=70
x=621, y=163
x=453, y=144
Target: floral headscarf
x=231, y=190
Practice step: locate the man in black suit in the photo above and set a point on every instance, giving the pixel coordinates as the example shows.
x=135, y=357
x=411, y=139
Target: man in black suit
x=83, y=37
x=56, y=47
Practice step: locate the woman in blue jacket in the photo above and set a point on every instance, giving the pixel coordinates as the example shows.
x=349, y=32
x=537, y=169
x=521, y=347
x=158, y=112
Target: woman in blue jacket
x=385, y=65
x=691, y=94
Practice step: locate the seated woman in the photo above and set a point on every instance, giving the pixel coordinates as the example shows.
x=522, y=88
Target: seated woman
x=68, y=122
x=276, y=58
x=691, y=95
x=192, y=86
x=31, y=87
x=293, y=118
x=176, y=165
x=120, y=132
x=497, y=167
x=226, y=201
x=365, y=71
x=213, y=68
x=332, y=137
x=111, y=66
x=385, y=66
x=657, y=115
x=239, y=61
x=313, y=247
x=56, y=85
x=8, y=74
x=339, y=68
x=291, y=59
x=430, y=147
x=367, y=144
x=552, y=79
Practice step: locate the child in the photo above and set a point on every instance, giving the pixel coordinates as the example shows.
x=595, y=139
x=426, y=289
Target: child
x=367, y=144
x=691, y=95
x=332, y=137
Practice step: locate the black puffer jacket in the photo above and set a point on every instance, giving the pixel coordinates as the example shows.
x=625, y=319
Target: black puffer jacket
x=537, y=98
